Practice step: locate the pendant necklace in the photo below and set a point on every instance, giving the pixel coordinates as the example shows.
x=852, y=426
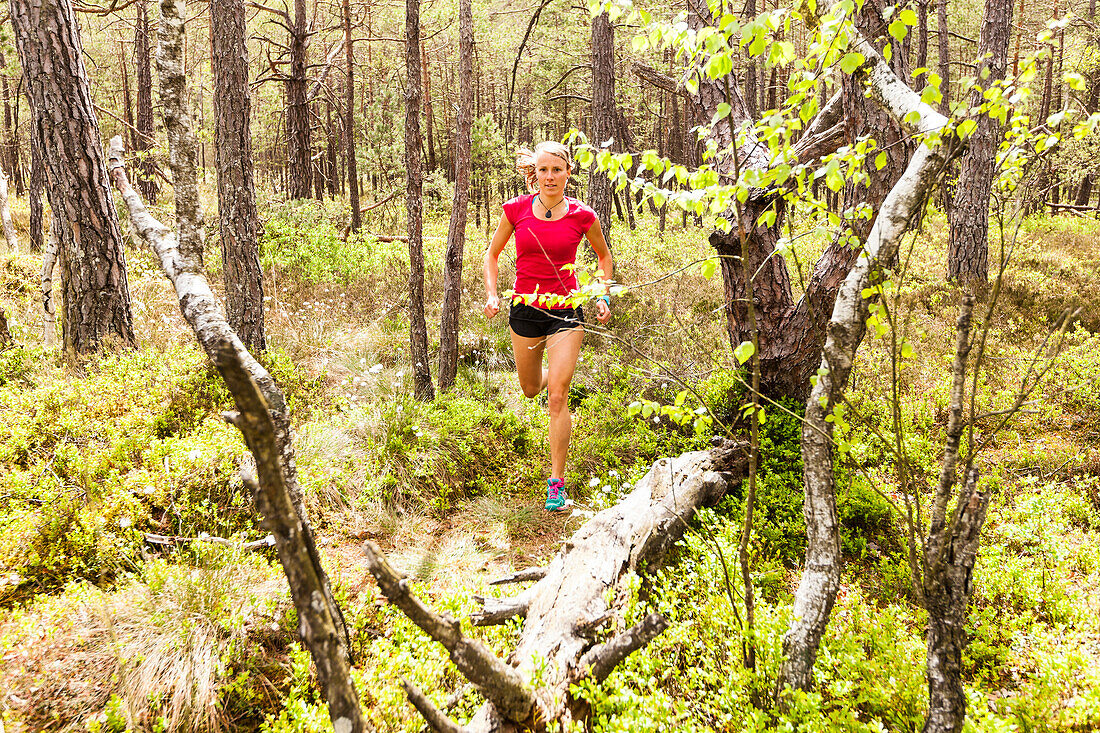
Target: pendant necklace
x=550, y=209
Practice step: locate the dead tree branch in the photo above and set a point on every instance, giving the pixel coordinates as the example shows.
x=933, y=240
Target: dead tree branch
x=500, y=684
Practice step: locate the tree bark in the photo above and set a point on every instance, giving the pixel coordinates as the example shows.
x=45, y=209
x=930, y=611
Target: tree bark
x=603, y=116
x=456, y=231
x=6, y=341
x=10, y=236
x=262, y=419
x=968, y=249
x=945, y=56
x=949, y=554
x=297, y=108
x=96, y=296
x=183, y=153
x=145, y=137
x=49, y=260
x=429, y=118
x=38, y=182
x=821, y=575
x=414, y=184
x=751, y=90
x=237, y=215
x=349, y=121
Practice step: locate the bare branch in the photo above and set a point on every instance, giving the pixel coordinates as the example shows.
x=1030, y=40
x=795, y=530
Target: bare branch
x=498, y=610
x=602, y=659
x=497, y=681
x=521, y=576
x=437, y=720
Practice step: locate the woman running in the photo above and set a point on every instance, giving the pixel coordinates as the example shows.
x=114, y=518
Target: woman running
x=548, y=226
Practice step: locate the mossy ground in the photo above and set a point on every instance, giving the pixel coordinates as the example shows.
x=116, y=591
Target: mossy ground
x=102, y=630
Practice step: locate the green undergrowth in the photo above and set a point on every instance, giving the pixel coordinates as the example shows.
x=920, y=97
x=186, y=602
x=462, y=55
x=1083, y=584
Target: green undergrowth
x=132, y=442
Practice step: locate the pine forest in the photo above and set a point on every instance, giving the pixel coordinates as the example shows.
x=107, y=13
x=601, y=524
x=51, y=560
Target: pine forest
x=494, y=365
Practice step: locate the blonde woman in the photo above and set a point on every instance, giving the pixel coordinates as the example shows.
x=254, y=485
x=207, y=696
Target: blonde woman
x=548, y=227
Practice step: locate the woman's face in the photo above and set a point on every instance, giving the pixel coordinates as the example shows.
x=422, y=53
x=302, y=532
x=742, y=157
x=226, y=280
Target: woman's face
x=552, y=174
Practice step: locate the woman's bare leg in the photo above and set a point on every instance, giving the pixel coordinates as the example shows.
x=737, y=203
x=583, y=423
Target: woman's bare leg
x=562, y=349
x=528, y=354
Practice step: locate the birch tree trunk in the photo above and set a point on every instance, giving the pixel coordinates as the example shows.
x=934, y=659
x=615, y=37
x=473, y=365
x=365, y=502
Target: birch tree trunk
x=262, y=419
x=10, y=236
x=968, y=249
x=820, y=579
x=456, y=231
x=414, y=202
x=97, y=298
x=49, y=260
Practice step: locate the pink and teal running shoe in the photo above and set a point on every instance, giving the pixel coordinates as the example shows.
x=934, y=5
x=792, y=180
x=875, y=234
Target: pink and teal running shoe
x=555, y=494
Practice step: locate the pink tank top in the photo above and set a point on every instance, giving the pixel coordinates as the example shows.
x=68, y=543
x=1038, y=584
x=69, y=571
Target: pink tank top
x=543, y=247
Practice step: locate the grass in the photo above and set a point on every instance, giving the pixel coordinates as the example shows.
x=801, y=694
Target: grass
x=92, y=455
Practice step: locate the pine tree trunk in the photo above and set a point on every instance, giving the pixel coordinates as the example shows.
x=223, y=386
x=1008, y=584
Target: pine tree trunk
x=183, y=152
x=38, y=182
x=146, y=137
x=751, y=92
x=238, y=219
x=945, y=56
x=603, y=114
x=456, y=232
x=414, y=197
x=297, y=109
x=968, y=251
x=429, y=118
x=96, y=296
x=349, y=121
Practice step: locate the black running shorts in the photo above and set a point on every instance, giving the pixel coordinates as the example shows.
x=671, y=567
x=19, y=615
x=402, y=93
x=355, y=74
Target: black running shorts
x=531, y=322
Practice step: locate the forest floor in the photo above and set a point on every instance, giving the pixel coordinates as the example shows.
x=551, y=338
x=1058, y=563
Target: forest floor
x=102, y=630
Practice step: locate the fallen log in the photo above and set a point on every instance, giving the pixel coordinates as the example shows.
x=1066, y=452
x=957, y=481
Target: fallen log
x=582, y=589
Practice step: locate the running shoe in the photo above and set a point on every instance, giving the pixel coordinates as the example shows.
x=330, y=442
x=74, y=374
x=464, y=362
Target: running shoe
x=555, y=494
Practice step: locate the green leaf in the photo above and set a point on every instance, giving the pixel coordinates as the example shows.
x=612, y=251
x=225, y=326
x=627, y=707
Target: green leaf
x=851, y=61
x=907, y=351
x=1076, y=82
x=931, y=95
x=908, y=16
x=881, y=160
x=744, y=351
x=709, y=267
x=966, y=128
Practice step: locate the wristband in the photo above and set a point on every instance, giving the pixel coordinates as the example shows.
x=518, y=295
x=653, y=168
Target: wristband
x=605, y=299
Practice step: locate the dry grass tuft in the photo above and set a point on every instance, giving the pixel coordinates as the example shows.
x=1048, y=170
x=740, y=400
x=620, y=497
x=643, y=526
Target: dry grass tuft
x=165, y=644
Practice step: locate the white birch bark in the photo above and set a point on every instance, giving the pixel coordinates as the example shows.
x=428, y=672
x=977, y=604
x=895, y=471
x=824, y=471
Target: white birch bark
x=49, y=310
x=821, y=574
x=5, y=215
